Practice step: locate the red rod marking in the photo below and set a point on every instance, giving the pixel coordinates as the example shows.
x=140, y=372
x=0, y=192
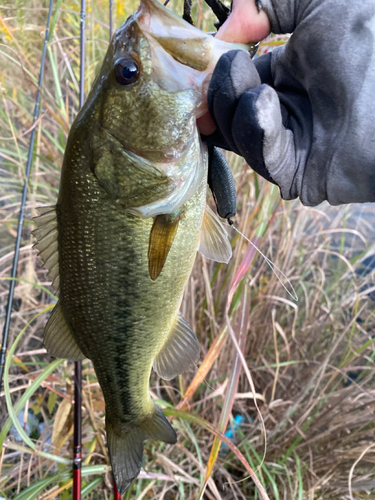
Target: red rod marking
x=116, y=494
x=77, y=475
x=77, y=457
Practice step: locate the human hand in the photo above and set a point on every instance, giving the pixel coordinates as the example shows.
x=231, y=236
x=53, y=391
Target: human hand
x=245, y=24
x=310, y=126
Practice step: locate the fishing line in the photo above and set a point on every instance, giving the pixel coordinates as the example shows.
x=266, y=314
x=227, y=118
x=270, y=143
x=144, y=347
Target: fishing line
x=23, y=201
x=110, y=19
x=273, y=266
x=204, y=378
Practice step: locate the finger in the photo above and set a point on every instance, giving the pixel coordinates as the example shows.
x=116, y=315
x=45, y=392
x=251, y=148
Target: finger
x=263, y=66
x=234, y=74
x=246, y=24
x=206, y=125
x=262, y=139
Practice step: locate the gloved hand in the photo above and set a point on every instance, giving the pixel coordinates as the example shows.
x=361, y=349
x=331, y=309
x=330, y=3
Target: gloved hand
x=308, y=123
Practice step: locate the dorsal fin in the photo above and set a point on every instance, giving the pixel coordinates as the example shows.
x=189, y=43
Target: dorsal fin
x=161, y=238
x=46, y=235
x=214, y=243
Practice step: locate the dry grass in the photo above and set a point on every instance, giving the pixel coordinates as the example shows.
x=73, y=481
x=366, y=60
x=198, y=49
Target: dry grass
x=311, y=361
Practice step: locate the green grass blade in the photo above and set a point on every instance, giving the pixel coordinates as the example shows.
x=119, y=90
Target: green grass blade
x=299, y=476
x=54, y=20
x=14, y=411
x=35, y=489
x=91, y=486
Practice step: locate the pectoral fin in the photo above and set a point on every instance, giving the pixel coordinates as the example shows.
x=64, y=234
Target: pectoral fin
x=180, y=350
x=161, y=238
x=214, y=243
x=58, y=338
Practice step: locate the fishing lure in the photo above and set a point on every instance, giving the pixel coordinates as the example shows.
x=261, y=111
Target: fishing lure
x=221, y=182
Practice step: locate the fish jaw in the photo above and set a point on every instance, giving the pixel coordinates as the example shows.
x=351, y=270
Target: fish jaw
x=154, y=117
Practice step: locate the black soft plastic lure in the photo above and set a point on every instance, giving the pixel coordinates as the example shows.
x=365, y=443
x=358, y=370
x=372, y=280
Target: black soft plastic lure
x=221, y=182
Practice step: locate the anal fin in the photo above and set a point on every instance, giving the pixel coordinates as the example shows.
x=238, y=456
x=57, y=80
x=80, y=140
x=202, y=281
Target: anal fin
x=157, y=427
x=161, y=238
x=58, y=338
x=214, y=243
x=180, y=351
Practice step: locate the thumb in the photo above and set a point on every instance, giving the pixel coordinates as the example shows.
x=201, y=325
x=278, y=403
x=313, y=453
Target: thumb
x=246, y=24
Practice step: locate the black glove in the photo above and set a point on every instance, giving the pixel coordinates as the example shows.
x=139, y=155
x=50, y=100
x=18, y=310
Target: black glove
x=310, y=125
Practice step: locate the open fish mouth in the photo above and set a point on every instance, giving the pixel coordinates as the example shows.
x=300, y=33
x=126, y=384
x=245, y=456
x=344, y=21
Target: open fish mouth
x=182, y=56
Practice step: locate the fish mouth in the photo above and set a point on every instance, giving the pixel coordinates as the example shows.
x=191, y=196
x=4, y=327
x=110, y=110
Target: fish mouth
x=183, y=41
x=194, y=52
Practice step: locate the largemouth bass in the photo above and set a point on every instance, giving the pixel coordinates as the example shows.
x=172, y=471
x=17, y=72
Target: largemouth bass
x=131, y=214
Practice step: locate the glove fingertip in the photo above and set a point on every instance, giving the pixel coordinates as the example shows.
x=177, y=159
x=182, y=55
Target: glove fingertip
x=243, y=73
x=221, y=80
x=234, y=74
x=248, y=134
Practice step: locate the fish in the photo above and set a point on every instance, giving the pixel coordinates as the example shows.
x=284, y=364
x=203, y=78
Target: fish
x=120, y=243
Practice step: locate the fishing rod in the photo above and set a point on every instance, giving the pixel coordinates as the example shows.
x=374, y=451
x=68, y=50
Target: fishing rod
x=21, y=217
x=77, y=445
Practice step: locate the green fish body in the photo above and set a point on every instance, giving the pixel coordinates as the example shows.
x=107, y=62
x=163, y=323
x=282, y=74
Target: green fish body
x=131, y=213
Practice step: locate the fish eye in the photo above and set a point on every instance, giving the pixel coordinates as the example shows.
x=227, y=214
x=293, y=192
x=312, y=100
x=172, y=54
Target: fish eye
x=126, y=71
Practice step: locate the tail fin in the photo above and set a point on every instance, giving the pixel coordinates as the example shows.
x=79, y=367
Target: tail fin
x=126, y=447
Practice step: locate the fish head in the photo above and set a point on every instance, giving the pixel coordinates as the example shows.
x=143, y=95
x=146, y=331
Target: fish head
x=153, y=82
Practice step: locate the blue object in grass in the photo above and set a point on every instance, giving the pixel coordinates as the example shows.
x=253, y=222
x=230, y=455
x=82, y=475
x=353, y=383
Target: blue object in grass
x=33, y=428
x=238, y=420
